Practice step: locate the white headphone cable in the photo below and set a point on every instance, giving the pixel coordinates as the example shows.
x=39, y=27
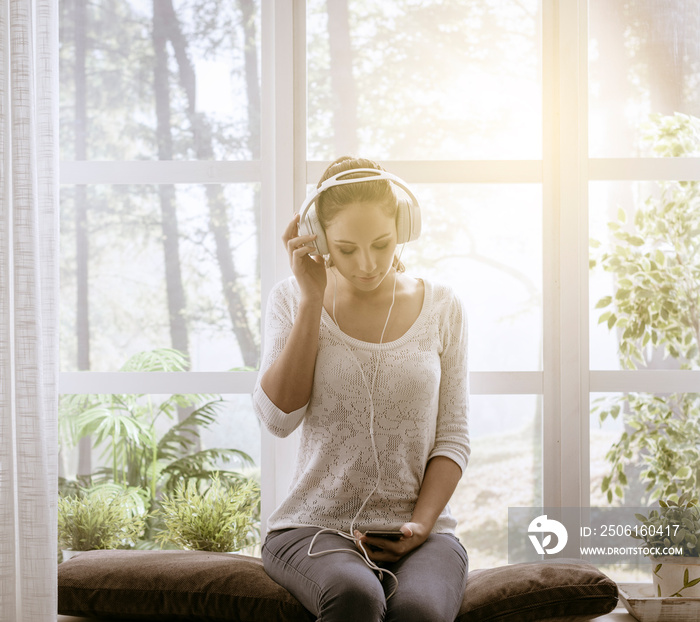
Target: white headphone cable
x=370, y=390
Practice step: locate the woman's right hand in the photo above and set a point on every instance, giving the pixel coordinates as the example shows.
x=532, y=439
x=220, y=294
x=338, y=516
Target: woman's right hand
x=310, y=271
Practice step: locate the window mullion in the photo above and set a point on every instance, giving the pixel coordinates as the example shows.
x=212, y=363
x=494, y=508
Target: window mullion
x=573, y=273
x=565, y=409
x=551, y=423
x=280, y=83
x=647, y=169
x=452, y=171
x=137, y=383
x=160, y=172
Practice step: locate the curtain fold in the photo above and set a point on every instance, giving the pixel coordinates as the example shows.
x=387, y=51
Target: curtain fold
x=28, y=308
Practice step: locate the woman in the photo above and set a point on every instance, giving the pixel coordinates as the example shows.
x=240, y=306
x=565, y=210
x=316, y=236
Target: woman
x=372, y=364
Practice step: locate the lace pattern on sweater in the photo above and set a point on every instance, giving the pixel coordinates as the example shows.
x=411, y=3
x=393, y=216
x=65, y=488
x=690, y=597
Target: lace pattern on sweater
x=420, y=404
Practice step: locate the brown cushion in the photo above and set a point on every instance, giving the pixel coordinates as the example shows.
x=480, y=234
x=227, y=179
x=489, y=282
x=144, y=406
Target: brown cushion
x=537, y=591
x=194, y=585
x=173, y=585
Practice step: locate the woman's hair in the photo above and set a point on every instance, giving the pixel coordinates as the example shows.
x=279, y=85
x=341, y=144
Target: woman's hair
x=335, y=199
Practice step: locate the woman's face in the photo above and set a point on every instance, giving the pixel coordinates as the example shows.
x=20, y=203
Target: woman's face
x=361, y=240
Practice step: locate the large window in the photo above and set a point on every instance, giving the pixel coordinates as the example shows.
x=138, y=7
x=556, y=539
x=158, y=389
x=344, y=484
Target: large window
x=161, y=215
x=191, y=130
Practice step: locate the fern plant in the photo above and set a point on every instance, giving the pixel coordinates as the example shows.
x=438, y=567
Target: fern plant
x=219, y=519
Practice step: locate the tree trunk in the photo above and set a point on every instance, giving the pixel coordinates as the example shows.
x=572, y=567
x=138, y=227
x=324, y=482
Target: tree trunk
x=342, y=80
x=171, y=246
x=171, y=242
x=82, y=242
x=218, y=218
x=252, y=82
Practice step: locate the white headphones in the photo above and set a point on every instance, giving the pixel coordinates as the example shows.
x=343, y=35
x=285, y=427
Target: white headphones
x=408, y=219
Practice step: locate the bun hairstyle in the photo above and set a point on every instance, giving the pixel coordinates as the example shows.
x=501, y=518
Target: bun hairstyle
x=332, y=201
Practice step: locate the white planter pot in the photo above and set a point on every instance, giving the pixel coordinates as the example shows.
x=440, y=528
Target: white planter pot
x=676, y=576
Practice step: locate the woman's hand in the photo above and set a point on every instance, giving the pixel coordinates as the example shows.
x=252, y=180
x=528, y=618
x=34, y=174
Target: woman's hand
x=386, y=550
x=309, y=271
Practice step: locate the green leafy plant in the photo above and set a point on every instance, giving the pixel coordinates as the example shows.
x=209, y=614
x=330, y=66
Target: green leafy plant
x=101, y=517
x=128, y=428
x=219, y=519
x=675, y=524
x=142, y=441
x=656, y=306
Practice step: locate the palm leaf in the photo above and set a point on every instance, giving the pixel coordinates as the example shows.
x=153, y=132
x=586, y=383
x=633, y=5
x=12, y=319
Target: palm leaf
x=134, y=496
x=180, y=438
x=159, y=359
x=209, y=458
x=202, y=465
x=123, y=427
x=69, y=409
x=183, y=400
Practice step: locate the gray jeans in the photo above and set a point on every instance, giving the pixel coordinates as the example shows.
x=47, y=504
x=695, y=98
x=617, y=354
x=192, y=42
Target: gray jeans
x=340, y=587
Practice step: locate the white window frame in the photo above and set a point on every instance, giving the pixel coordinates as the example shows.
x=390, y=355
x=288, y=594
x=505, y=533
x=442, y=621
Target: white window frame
x=564, y=173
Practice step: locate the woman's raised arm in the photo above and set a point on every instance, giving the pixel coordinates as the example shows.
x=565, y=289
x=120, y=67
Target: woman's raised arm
x=287, y=382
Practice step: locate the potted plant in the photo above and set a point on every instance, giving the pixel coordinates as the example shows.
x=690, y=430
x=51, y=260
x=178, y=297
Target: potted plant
x=102, y=517
x=143, y=441
x=675, y=524
x=220, y=519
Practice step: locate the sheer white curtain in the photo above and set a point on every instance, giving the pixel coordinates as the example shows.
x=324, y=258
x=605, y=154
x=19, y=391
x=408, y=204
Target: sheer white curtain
x=28, y=308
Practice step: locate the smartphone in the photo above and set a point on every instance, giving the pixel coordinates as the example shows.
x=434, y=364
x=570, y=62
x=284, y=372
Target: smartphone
x=389, y=534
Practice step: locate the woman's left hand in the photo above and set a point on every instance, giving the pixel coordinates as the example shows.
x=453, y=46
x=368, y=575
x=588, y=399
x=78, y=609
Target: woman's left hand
x=386, y=550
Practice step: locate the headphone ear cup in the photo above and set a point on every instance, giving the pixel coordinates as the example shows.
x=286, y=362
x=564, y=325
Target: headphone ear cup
x=408, y=223
x=310, y=225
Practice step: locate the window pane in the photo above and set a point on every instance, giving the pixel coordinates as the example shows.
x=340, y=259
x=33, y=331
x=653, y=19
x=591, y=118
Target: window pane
x=505, y=470
x=169, y=85
x=427, y=80
x=644, y=287
x=644, y=60
x=120, y=295
x=237, y=427
x=486, y=241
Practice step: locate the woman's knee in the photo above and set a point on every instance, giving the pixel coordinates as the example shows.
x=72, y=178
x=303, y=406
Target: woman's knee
x=419, y=608
x=354, y=597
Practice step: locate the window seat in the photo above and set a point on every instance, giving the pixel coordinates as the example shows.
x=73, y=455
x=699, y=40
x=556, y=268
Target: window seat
x=195, y=585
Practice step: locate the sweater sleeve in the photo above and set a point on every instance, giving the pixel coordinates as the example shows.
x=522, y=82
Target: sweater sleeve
x=279, y=319
x=452, y=429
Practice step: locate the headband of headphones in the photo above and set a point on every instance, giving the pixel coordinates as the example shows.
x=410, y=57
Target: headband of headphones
x=408, y=219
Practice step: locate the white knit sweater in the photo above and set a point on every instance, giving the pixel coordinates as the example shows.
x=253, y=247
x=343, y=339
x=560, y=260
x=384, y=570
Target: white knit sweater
x=420, y=411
